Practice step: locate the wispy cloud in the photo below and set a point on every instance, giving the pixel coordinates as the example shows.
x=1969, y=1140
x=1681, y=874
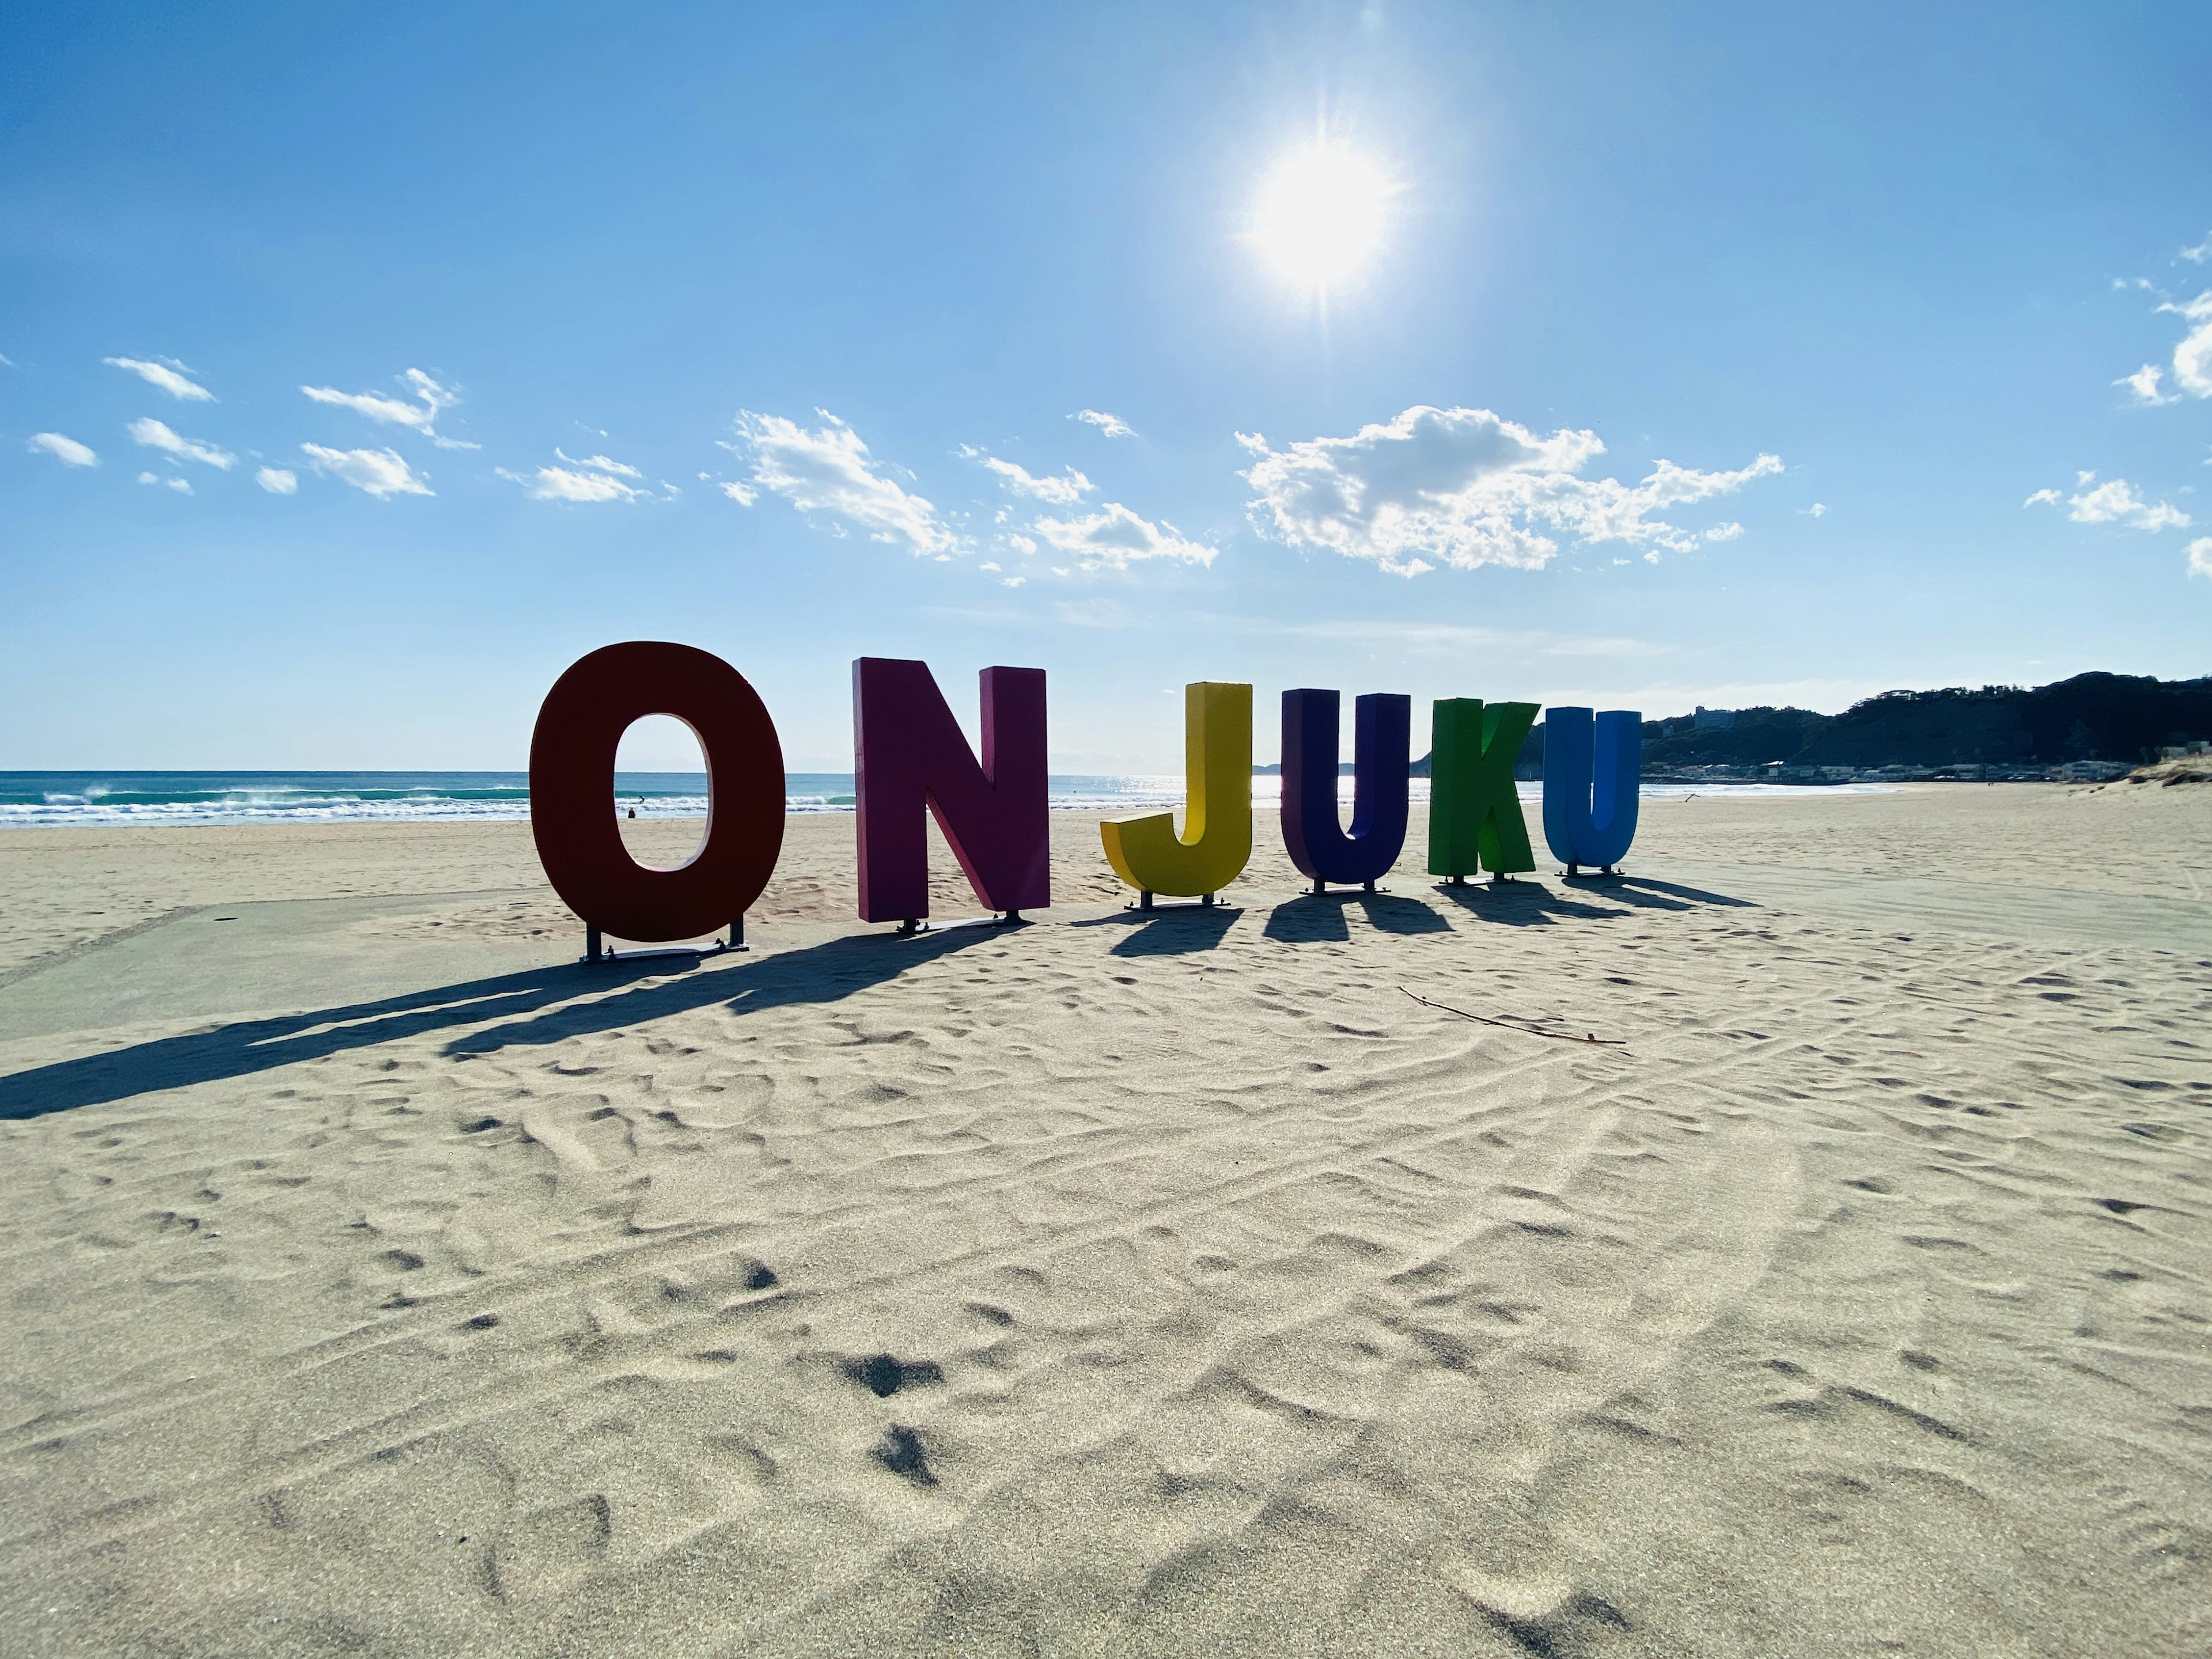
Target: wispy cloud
x=2191, y=364
x=155, y=435
x=1093, y=613
x=418, y=413
x=594, y=479
x=1112, y=426
x=2113, y=501
x=1114, y=537
x=1435, y=639
x=167, y=374
x=1016, y=480
x=1818, y=510
x=277, y=481
x=2200, y=556
x=1465, y=488
x=598, y=462
x=68, y=451
x=382, y=473
x=2199, y=254
x=182, y=486
x=830, y=471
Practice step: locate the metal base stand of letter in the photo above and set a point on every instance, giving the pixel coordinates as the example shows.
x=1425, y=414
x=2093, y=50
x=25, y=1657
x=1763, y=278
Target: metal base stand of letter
x=1147, y=901
x=595, y=947
x=914, y=927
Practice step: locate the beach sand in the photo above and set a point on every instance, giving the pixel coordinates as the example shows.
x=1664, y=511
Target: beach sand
x=379, y=1281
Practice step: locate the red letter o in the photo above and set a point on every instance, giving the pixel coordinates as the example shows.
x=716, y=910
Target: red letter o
x=572, y=790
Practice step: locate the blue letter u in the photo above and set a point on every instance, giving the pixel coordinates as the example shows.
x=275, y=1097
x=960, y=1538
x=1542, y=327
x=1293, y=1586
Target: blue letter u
x=1590, y=783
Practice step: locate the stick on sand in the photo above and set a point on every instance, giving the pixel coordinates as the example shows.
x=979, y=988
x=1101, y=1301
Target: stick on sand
x=1530, y=1031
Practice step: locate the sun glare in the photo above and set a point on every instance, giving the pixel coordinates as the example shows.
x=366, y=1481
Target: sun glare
x=1322, y=215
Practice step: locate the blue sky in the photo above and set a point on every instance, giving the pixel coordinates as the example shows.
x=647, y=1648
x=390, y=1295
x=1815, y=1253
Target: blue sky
x=1709, y=355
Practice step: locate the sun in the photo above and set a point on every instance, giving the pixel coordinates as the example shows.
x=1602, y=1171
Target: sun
x=1322, y=215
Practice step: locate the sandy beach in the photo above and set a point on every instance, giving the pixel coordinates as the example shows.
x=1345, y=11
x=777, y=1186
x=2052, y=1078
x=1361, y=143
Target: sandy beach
x=1814, y=1260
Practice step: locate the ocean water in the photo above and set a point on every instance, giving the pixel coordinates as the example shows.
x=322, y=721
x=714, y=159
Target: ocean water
x=49, y=798
x=46, y=799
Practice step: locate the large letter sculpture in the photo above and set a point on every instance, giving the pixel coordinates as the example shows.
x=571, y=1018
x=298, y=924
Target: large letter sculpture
x=908, y=754
x=1590, y=782
x=1474, y=811
x=1217, y=840
x=1382, y=724
x=572, y=791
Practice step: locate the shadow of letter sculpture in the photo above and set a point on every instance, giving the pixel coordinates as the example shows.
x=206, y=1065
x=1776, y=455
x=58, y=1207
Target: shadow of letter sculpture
x=572, y=790
x=1591, y=771
x=909, y=757
x=1217, y=840
x=1474, y=811
x=1382, y=739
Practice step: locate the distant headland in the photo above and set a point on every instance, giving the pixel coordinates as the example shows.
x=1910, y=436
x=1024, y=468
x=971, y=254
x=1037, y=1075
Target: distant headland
x=2091, y=727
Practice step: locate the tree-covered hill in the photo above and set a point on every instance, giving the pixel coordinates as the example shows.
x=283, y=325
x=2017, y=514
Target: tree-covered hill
x=2096, y=716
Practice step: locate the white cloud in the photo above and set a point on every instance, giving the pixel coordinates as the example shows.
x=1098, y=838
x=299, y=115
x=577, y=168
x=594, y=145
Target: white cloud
x=169, y=374
x=2199, y=254
x=561, y=484
x=2144, y=384
x=599, y=464
x=2192, y=357
x=1020, y=544
x=1013, y=581
x=2200, y=556
x=1061, y=492
x=379, y=473
x=1113, y=425
x=420, y=416
x=154, y=435
x=743, y=494
x=1725, y=532
x=68, y=451
x=830, y=471
x=6, y=362
x=1818, y=510
x=277, y=481
x=2112, y=502
x=588, y=478
x=182, y=486
x=1113, y=537
x=1465, y=488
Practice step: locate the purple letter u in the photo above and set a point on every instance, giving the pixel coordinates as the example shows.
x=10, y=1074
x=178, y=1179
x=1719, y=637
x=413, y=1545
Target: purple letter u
x=908, y=754
x=1382, y=738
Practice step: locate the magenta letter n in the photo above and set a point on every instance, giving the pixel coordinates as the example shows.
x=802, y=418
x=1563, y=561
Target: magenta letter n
x=908, y=754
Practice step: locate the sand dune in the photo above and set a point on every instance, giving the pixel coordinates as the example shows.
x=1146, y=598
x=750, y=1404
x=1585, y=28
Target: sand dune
x=1116, y=1284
